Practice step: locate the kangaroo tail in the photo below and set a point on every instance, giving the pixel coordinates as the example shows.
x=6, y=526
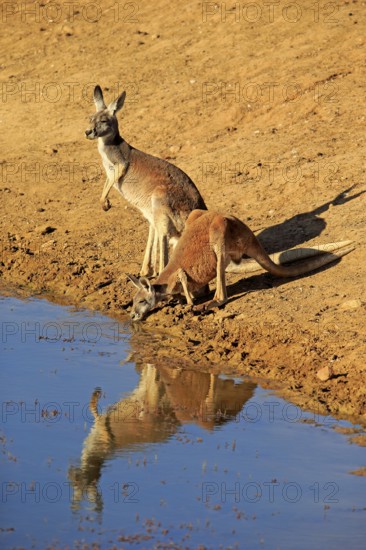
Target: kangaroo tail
x=307, y=259
x=93, y=403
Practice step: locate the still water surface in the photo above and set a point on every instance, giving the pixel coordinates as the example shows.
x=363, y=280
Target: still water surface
x=99, y=448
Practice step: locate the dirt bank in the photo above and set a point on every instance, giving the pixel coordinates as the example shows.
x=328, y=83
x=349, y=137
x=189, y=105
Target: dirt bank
x=263, y=108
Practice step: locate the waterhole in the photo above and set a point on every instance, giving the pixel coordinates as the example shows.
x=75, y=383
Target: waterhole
x=100, y=449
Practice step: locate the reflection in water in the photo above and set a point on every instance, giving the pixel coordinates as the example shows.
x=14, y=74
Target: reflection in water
x=165, y=398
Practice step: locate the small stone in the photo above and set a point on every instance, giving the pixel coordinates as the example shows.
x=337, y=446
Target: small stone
x=48, y=243
x=174, y=148
x=351, y=304
x=68, y=30
x=40, y=210
x=325, y=373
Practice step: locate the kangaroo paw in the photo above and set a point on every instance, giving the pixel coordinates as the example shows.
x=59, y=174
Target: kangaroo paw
x=106, y=205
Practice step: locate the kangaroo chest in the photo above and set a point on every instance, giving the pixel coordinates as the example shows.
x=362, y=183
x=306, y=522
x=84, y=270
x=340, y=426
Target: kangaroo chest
x=115, y=164
x=110, y=161
x=117, y=168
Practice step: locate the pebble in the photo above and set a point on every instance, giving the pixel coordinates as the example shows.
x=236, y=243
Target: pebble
x=325, y=373
x=351, y=304
x=48, y=243
x=68, y=30
x=174, y=148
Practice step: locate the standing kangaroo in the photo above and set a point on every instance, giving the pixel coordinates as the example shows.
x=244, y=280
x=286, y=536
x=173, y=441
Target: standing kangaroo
x=210, y=244
x=163, y=193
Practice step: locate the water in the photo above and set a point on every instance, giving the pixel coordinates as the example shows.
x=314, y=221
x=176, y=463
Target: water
x=99, y=448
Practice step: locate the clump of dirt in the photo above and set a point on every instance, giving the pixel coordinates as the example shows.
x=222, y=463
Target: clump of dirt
x=264, y=110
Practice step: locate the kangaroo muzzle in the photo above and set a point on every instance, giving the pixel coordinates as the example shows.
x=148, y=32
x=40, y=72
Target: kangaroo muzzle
x=90, y=134
x=134, y=316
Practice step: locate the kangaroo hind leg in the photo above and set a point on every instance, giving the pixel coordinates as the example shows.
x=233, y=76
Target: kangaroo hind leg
x=162, y=222
x=217, y=242
x=149, y=263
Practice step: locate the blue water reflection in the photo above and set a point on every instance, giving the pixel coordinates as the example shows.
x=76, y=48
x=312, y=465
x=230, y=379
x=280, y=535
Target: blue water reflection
x=100, y=448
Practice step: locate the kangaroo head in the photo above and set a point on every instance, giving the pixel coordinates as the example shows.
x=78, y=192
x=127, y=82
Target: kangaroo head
x=104, y=123
x=145, y=298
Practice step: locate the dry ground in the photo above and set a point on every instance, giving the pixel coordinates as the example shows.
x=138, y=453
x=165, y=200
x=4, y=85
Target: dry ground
x=263, y=107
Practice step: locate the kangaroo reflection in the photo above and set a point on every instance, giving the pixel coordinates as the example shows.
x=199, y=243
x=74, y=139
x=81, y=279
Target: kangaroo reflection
x=165, y=398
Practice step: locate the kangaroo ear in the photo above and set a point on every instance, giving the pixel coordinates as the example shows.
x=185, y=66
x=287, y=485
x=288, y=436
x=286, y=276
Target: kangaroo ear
x=98, y=98
x=134, y=280
x=145, y=283
x=117, y=104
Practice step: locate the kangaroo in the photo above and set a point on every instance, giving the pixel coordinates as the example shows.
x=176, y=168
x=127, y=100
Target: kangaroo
x=163, y=193
x=210, y=244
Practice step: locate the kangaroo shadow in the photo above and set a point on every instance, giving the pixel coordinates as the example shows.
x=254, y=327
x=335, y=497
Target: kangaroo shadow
x=291, y=233
x=265, y=280
x=303, y=227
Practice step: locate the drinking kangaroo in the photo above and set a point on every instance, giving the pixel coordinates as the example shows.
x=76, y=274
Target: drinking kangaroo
x=210, y=244
x=163, y=193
